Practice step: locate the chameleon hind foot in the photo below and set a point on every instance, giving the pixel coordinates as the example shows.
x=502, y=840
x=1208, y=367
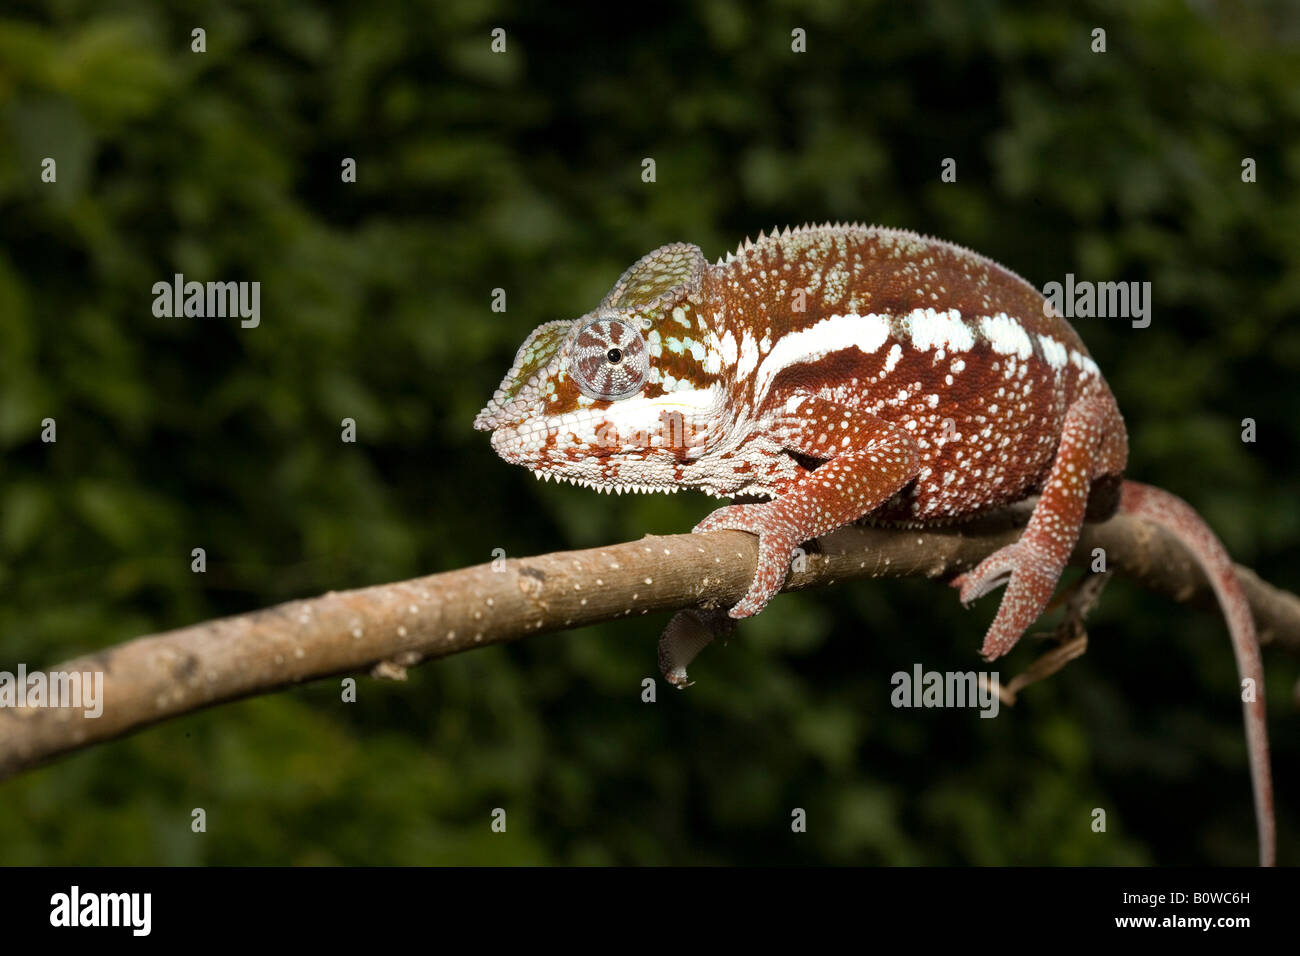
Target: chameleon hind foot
x=1030, y=577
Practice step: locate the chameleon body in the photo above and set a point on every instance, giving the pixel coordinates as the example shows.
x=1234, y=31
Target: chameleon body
x=841, y=373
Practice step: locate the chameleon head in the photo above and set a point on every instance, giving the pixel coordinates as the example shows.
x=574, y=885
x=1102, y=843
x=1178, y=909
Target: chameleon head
x=625, y=398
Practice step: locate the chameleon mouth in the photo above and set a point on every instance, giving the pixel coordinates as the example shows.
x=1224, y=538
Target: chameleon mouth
x=531, y=445
x=638, y=449
x=517, y=444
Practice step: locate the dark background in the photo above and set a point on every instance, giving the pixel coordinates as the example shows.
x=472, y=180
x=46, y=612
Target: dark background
x=522, y=171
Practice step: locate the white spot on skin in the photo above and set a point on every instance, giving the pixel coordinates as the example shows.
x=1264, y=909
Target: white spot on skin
x=729, y=352
x=1006, y=336
x=895, y=353
x=748, y=356
x=1086, y=365
x=943, y=330
x=1054, y=352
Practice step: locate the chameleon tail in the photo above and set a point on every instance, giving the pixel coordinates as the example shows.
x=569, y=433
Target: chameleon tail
x=1179, y=518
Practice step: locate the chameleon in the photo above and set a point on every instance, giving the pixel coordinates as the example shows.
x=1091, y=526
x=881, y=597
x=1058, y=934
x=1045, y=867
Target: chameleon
x=826, y=375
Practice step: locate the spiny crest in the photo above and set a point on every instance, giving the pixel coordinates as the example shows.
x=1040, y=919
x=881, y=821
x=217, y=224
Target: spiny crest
x=779, y=234
x=809, y=234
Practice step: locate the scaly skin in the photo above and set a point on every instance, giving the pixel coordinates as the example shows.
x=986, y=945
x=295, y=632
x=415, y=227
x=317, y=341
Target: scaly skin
x=841, y=373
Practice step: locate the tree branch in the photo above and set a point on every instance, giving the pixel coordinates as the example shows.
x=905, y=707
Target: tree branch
x=390, y=627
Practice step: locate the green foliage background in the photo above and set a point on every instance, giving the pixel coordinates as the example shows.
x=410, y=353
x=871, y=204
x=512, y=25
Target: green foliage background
x=522, y=171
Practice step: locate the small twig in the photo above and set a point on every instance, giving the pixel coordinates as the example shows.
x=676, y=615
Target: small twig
x=1071, y=636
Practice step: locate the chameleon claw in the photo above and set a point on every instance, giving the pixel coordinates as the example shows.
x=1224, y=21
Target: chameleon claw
x=989, y=575
x=1030, y=579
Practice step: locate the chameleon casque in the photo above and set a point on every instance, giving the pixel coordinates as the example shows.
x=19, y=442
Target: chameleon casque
x=840, y=372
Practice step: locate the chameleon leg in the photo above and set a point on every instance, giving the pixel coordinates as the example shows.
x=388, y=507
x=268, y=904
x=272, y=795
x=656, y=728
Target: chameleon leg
x=1033, y=565
x=865, y=460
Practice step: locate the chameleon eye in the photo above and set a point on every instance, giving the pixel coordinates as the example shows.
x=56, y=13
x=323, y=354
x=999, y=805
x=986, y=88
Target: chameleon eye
x=609, y=360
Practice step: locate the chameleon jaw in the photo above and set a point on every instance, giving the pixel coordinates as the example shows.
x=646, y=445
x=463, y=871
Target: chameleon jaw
x=638, y=445
x=536, y=450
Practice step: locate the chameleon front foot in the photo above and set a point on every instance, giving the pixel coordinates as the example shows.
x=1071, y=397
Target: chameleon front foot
x=688, y=633
x=1030, y=578
x=777, y=540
